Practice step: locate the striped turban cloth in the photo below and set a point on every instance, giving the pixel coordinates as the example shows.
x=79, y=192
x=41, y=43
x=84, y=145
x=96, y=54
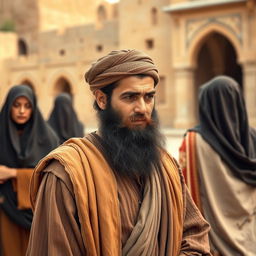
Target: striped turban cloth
x=118, y=65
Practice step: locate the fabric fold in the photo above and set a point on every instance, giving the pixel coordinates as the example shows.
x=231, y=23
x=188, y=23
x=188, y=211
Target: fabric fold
x=96, y=198
x=95, y=194
x=23, y=181
x=117, y=65
x=144, y=238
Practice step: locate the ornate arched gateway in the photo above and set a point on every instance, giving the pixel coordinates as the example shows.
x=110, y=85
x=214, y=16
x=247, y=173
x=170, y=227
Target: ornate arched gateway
x=216, y=56
x=209, y=41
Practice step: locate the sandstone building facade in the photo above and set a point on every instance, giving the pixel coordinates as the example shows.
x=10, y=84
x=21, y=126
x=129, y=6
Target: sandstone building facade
x=191, y=41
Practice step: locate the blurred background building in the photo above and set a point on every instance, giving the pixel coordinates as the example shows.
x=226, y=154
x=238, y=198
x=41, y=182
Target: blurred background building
x=50, y=44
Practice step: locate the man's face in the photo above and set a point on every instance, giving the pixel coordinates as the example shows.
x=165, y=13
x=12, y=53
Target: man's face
x=21, y=110
x=133, y=100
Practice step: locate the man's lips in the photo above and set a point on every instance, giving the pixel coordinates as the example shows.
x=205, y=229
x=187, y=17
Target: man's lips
x=139, y=120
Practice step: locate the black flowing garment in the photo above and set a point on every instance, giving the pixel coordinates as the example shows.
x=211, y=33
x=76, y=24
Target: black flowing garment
x=224, y=125
x=63, y=118
x=22, y=151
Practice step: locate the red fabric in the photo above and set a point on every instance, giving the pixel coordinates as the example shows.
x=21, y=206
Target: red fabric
x=188, y=163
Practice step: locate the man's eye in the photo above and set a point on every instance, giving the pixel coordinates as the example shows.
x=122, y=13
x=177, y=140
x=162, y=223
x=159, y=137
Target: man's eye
x=131, y=97
x=150, y=96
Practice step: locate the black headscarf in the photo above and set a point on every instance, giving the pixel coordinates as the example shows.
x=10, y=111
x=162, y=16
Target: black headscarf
x=224, y=125
x=22, y=151
x=63, y=118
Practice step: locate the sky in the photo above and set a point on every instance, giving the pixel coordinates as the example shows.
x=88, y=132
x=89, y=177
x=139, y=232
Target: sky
x=112, y=1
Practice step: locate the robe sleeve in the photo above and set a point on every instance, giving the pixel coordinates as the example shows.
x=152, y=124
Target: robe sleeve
x=21, y=186
x=55, y=228
x=195, y=241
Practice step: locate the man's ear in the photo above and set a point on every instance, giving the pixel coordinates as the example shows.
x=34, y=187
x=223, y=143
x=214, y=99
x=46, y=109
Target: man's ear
x=101, y=99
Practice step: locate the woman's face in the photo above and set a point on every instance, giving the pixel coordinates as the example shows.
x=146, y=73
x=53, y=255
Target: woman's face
x=21, y=110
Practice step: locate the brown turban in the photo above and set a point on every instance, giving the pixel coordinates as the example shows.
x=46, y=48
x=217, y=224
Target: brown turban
x=117, y=65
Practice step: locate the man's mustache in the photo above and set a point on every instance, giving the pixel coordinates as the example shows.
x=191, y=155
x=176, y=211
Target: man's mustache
x=141, y=117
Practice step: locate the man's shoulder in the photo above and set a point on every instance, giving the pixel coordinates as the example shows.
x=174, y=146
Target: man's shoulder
x=74, y=154
x=71, y=148
x=64, y=154
x=55, y=168
x=167, y=155
x=170, y=161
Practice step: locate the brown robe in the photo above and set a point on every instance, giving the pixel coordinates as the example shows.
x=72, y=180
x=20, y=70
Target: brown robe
x=63, y=224
x=14, y=239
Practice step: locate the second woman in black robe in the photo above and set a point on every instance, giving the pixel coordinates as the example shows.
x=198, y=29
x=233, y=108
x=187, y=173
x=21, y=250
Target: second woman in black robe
x=63, y=118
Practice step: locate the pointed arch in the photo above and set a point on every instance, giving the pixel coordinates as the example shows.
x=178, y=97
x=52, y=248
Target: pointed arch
x=28, y=79
x=202, y=36
x=62, y=84
x=28, y=83
x=64, y=74
x=215, y=55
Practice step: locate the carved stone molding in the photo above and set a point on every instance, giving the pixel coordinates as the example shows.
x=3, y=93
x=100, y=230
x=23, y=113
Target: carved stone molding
x=231, y=22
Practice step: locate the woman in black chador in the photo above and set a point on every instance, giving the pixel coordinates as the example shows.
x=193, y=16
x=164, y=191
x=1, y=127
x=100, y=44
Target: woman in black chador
x=63, y=118
x=218, y=157
x=24, y=139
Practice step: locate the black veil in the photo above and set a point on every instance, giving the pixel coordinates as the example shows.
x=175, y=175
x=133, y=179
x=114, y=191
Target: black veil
x=224, y=125
x=22, y=151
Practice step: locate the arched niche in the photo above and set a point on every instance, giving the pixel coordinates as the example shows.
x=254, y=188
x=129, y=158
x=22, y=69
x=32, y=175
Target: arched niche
x=62, y=84
x=28, y=83
x=22, y=47
x=216, y=56
x=101, y=14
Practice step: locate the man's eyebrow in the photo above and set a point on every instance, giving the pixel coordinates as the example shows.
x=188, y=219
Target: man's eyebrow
x=151, y=92
x=131, y=93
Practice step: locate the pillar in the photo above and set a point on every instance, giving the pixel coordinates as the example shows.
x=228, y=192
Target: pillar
x=249, y=85
x=184, y=98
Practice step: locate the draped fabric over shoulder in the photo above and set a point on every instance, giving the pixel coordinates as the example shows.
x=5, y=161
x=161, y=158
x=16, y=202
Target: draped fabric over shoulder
x=96, y=198
x=224, y=125
x=22, y=151
x=63, y=118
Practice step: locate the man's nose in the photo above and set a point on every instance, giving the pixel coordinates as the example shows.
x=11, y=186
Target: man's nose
x=140, y=106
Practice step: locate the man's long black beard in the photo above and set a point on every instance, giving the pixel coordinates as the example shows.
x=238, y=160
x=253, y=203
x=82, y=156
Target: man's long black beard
x=130, y=151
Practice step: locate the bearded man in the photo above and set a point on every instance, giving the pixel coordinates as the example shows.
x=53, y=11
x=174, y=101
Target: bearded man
x=116, y=191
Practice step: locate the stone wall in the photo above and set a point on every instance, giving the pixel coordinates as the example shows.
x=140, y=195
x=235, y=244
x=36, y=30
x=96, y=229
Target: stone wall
x=150, y=25
x=64, y=37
